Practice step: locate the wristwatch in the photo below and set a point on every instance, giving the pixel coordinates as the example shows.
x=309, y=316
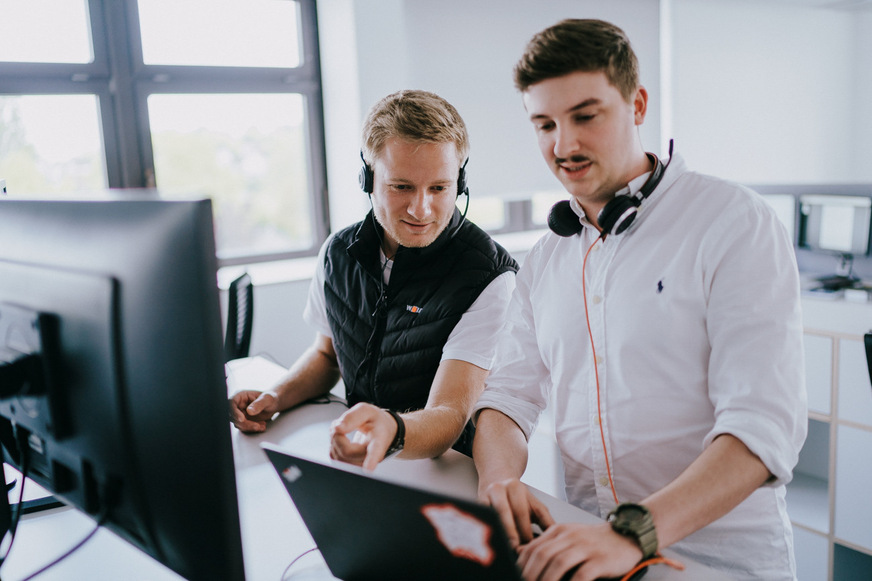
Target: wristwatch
x=400, y=438
x=634, y=521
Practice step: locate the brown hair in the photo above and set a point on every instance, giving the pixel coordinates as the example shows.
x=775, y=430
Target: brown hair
x=580, y=45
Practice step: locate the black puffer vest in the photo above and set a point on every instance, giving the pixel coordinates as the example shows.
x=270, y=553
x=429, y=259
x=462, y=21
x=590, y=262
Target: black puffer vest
x=389, y=339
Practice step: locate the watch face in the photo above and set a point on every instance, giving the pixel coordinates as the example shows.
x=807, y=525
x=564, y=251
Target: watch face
x=635, y=522
x=629, y=515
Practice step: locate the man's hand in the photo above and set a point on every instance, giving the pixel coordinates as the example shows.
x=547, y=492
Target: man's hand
x=518, y=510
x=589, y=552
x=372, y=430
x=250, y=410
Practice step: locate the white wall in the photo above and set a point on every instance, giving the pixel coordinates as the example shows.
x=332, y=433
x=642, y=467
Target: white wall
x=464, y=51
x=861, y=162
x=772, y=92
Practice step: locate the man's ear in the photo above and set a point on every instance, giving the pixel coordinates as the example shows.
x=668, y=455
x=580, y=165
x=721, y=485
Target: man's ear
x=640, y=104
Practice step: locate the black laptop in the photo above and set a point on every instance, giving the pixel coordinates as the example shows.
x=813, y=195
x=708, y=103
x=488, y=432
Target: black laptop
x=369, y=529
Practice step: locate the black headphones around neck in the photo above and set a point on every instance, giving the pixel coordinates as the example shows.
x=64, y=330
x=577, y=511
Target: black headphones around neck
x=366, y=178
x=618, y=214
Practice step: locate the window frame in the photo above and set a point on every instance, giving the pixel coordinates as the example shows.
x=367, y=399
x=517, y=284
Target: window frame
x=122, y=83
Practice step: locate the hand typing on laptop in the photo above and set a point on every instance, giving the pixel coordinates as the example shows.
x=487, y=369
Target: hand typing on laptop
x=562, y=551
x=591, y=551
x=519, y=510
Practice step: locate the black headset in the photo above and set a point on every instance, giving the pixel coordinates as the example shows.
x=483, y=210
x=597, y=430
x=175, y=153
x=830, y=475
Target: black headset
x=366, y=178
x=617, y=215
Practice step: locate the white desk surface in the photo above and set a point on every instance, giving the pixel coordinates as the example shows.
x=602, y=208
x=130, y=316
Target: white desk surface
x=272, y=532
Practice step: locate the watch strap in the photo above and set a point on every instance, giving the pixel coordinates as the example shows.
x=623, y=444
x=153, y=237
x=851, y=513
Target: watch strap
x=640, y=529
x=400, y=437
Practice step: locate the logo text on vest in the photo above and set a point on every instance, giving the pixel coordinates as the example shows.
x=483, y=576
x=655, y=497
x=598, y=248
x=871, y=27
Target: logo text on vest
x=414, y=309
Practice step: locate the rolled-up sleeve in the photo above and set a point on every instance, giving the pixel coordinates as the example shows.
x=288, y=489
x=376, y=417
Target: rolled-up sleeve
x=756, y=369
x=519, y=384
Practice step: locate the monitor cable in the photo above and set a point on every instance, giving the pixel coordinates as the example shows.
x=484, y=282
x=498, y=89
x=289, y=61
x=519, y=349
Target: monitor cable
x=293, y=562
x=111, y=490
x=100, y=522
x=13, y=527
x=20, y=443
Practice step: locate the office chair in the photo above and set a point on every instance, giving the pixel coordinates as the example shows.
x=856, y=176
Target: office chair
x=240, y=316
x=867, y=342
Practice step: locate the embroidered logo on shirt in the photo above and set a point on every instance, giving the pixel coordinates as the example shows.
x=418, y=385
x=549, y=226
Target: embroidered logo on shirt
x=659, y=286
x=414, y=309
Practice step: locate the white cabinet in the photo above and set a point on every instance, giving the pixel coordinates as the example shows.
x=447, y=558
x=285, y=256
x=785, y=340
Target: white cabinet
x=819, y=372
x=812, y=555
x=853, y=518
x=808, y=493
x=855, y=391
x=829, y=500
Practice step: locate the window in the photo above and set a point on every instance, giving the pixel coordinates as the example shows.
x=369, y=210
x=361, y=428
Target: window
x=220, y=99
x=220, y=34
x=45, y=31
x=32, y=156
x=244, y=151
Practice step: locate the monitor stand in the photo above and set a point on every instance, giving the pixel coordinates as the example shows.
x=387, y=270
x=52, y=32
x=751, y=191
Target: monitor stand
x=841, y=279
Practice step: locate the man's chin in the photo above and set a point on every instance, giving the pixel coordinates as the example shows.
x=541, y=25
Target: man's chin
x=419, y=240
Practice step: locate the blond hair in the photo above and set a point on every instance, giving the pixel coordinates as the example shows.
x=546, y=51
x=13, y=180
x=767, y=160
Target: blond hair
x=415, y=116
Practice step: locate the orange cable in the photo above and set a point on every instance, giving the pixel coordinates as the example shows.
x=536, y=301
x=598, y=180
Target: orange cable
x=658, y=558
x=596, y=371
x=655, y=560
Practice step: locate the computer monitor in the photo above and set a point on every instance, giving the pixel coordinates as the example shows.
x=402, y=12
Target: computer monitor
x=837, y=224
x=111, y=364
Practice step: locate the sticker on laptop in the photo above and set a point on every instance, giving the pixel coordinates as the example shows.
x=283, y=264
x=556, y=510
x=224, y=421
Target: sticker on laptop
x=461, y=533
x=292, y=473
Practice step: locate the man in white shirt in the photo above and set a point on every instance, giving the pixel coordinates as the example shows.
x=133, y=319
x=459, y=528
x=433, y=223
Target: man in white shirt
x=661, y=321
x=406, y=303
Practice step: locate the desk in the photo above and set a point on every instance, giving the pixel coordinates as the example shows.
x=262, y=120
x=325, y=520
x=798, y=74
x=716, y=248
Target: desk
x=272, y=532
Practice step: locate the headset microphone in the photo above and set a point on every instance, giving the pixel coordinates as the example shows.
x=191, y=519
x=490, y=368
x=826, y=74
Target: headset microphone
x=618, y=214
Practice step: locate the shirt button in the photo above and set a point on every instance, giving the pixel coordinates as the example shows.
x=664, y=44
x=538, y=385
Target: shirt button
x=604, y=481
x=599, y=359
x=597, y=300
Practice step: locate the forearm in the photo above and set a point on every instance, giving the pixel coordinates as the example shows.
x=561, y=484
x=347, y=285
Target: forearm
x=314, y=374
x=724, y=475
x=431, y=431
x=499, y=449
x=434, y=429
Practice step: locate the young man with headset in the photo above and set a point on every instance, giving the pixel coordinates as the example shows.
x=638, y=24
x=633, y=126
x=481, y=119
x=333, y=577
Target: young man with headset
x=662, y=321
x=406, y=303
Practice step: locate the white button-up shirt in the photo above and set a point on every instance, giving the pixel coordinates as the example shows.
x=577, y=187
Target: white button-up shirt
x=694, y=313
